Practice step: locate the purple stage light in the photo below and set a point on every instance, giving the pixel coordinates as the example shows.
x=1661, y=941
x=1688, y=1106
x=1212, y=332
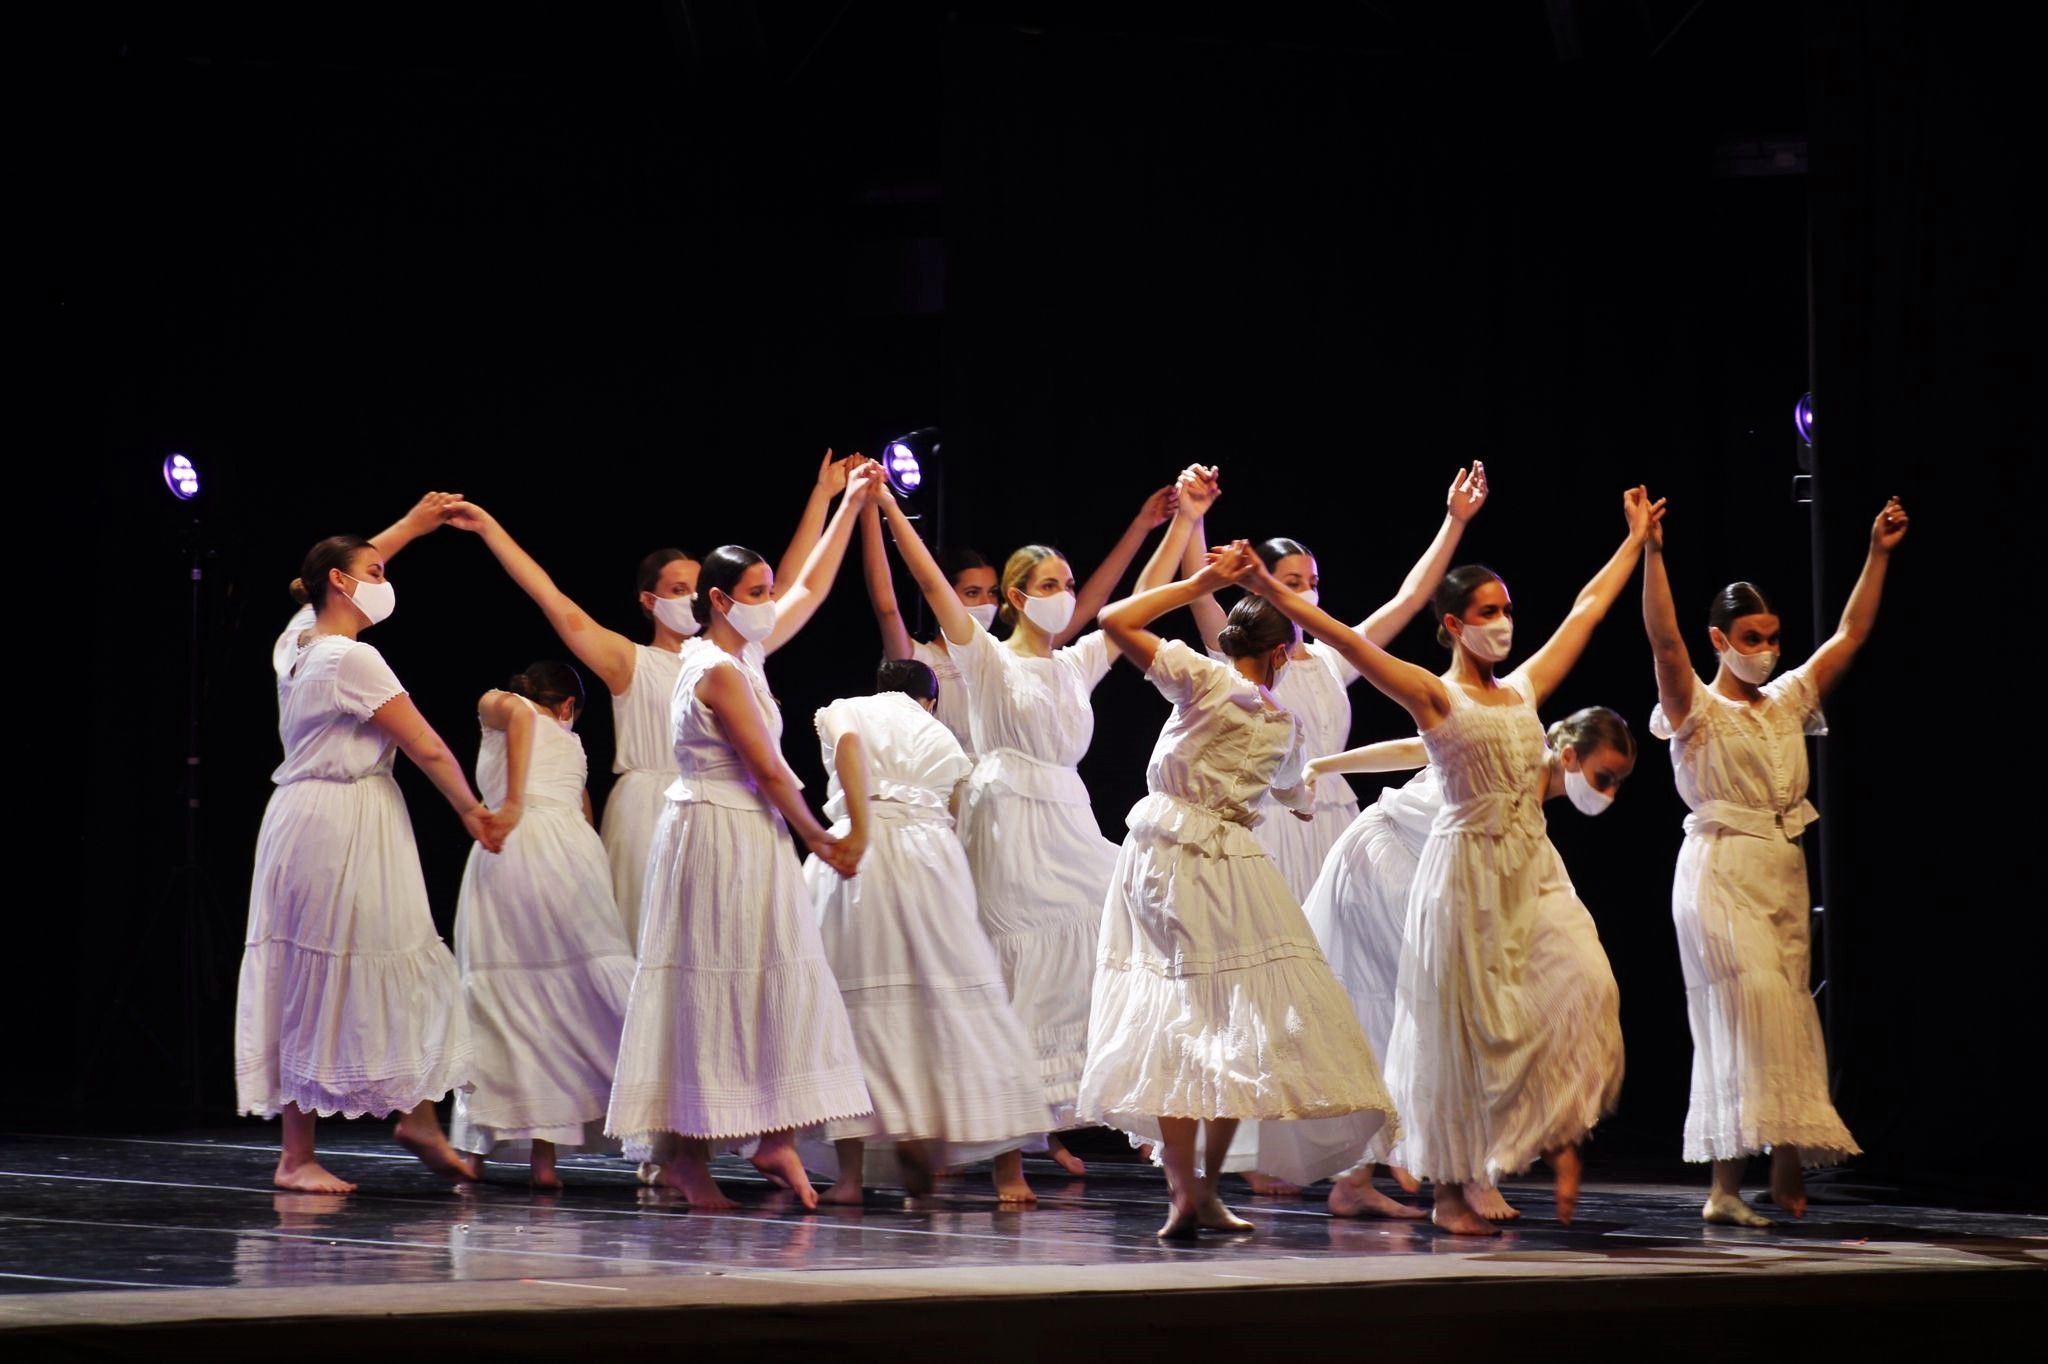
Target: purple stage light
x=902, y=466
x=1802, y=417
x=181, y=476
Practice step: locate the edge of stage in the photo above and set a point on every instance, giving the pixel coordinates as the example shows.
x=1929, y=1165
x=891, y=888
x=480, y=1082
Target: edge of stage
x=177, y=1244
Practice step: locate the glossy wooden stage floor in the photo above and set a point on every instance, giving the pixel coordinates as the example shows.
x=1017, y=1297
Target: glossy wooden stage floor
x=180, y=1244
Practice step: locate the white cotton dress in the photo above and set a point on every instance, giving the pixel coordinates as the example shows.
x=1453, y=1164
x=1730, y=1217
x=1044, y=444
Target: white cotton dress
x=348, y=1001
x=735, y=1026
x=1041, y=865
x=1314, y=690
x=1507, y=1021
x=945, y=1055
x=1740, y=903
x=545, y=966
x=951, y=707
x=643, y=757
x=1211, y=999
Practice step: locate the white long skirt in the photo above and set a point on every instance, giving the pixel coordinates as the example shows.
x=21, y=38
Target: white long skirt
x=349, y=1002
x=1041, y=869
x=1759, y=1063
x=734, y=1027
x=1211, y=999
x=1300, y=847
x=1507, y=1021
x=945, y=1055
x=545, y=971
x=631, y=812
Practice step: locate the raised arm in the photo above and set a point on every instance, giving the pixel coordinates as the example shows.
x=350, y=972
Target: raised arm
x=1461, y=504
x=607, y=653
x=832, y=474
x=796, y=605
x=1675, y=677
x=401, y=720
x=1416, y=690
x=1389, y=755
x=1155, y=512
x=731, y=700
x=958, y=626
x=1832, y=659
x=428, y=514
x=874, y=565
x=1549, y=665
x=1198, y=488
x=503, y=710
x=1125, y=621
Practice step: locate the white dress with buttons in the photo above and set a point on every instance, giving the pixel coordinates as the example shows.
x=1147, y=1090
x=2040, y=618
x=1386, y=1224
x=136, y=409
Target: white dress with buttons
x=1740, y=903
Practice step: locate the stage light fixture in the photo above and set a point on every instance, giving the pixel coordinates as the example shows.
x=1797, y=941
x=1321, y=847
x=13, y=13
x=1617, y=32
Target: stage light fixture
x=905, y=459
x=181, y=476
x=1802, y=418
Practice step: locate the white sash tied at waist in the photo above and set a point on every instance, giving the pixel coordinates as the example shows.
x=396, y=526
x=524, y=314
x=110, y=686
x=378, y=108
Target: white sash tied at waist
x=734, y=792
x=895, y=801
x=1169, y=817
x=1496, y=814
x=1752, y=821
x=1028, y=776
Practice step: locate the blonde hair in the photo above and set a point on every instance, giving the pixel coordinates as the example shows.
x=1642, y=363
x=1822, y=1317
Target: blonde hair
x=1017, y=570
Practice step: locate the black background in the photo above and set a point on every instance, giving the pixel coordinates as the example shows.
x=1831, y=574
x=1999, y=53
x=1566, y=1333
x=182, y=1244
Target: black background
x=622, y=273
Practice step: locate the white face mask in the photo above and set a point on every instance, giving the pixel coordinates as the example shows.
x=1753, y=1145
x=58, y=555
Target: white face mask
x=1489, y=643
x=986, y=615
x=1755, y=669
x=1050, y=614
x=1312, y=597
x=678, y=613
x=1583, y=796
x=375, y=600
x=755, y=620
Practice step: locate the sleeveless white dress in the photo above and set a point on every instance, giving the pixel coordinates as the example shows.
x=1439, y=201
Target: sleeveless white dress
x=643, y=757
x=1507, y=1035
x=952, y=707
x=1315, y=691
x=945, y=1055
x=735, y=1026
x=1741, y=905
x=348, y=1000
x=545, y=966
x=1041, y=865
x=1211, y=999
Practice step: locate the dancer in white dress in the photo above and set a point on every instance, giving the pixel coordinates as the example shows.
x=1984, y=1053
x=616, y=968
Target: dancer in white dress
x=1315, y=692
x=974, y=582
x=642, y=677
x=1506, y=1043
x=1211, y=1001
x=1740, y=899
x=545, y=967
x=735, y=1028
x=1041, y=865
x=948, y=1063
x=1358, y=907
x=348, y=1000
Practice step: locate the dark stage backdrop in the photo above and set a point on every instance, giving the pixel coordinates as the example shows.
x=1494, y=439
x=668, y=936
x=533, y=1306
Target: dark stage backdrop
x=622, y=276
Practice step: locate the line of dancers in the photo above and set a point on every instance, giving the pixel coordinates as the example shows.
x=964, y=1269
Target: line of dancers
x=1261, y=979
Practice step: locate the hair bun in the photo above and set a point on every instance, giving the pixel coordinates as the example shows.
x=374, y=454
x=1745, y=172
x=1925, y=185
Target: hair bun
x=299, y=592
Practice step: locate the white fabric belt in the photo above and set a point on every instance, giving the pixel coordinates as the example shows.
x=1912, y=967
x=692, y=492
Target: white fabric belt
x=1029, y=776
x=1750, y=820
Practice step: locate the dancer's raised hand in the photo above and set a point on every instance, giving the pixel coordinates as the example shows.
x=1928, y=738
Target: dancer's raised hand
x=833, y=473
x=1468, y=492
x=1235, y=563
x=1644, y=516
x=1889, y=528
x=1159, y=507
x=1199, y=490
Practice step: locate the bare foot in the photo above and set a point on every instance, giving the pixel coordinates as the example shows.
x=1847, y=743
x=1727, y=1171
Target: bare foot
x=783, y=1167
x=1461, y=1221
x=1068, y=1161
x=1010, y=1184
x=844, y=1193
x=1409, y=1183
x=1145, y=1153
x=1486, y=1200
x=648, y=1173
x=427, y=1141
x=1788, y=1182
x=1182, y=1224
x=694, y=1182
x=1358, y=1198
x=1566, y=1164
x=1213, y=1216
x=541, y=1165
x=1266, y=1186
x=309, y=1177
x=1725, y=1211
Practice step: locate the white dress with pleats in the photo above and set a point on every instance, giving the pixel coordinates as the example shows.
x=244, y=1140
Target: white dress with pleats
x=643, y=758
x=1315, y=692
x=1211, y=999
x=735, y=1026
x=545, y=966
x=1041, y=865
x=1741, y=905
x=348, y=1003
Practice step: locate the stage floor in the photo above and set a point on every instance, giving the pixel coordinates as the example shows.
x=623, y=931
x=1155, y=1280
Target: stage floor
x=112, y=1237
